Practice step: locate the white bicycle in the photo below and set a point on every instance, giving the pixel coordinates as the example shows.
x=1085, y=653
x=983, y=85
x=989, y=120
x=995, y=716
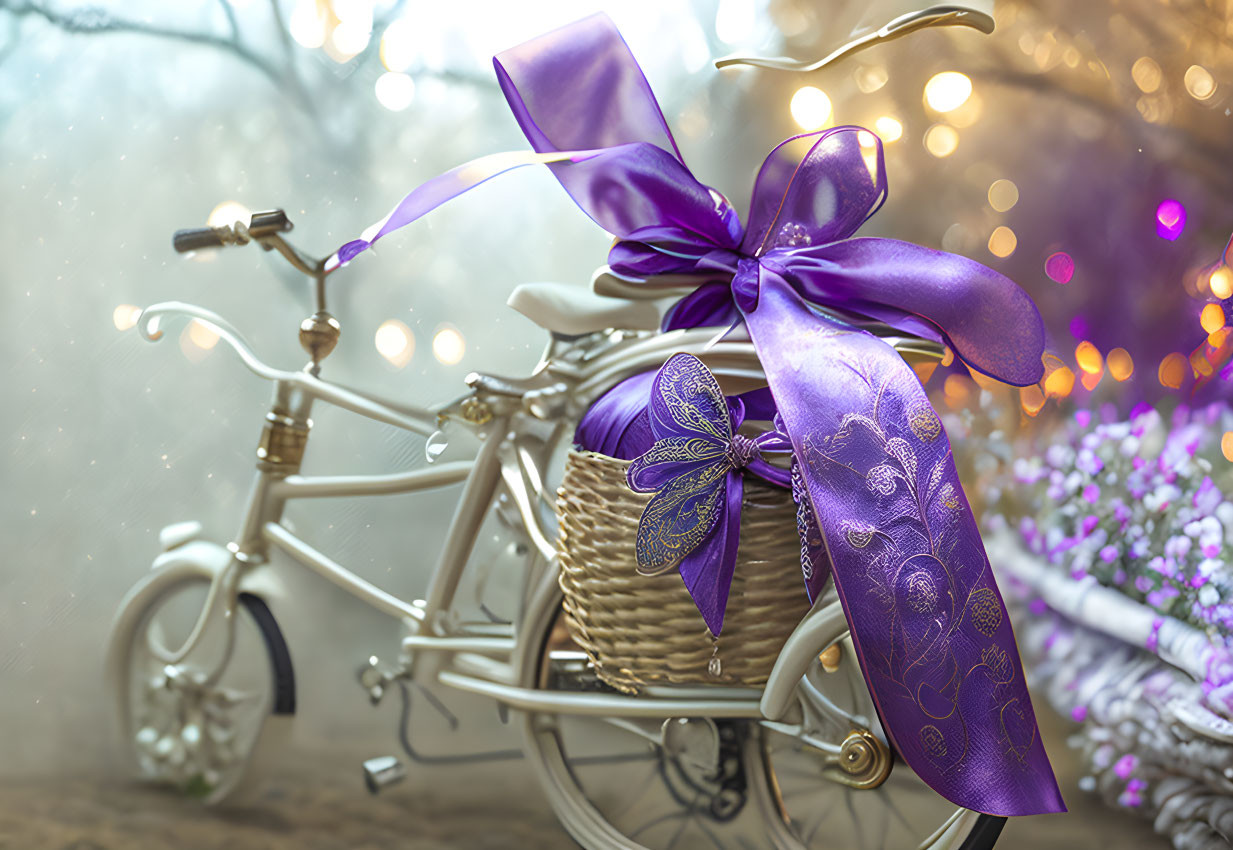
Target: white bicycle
x=200, y=668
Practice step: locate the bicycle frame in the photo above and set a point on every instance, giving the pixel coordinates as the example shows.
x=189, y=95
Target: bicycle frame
x=485, y=653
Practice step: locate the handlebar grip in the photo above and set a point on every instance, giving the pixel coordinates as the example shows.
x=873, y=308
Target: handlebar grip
x=196, y=238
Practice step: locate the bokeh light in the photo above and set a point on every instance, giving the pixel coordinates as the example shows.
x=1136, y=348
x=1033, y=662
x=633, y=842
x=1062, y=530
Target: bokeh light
x=1002, y=242
x=957, y=390
x=1212, y=318
x=1221, y=282
x=1088, y=357
x=398, y=45
x=870, y=78
x=1031, y=399
x=202, y=335
x=811, y=108
x=1060, y=267
x=125, y=316
x=1226, y=446
x=1172, y=370
x=394, y=91
x=1170, y=219
x=735, y=20
x=1060, y=382
x=941, y=140
x=1147, y=74
x=890, y=129
x=448, y=345
x=1200, y=84
x=1003, y=195
x=947, y=91
x=395, y=342
x=1121, y=365
x=229, y=213
x=308, y=24
x=348, y=39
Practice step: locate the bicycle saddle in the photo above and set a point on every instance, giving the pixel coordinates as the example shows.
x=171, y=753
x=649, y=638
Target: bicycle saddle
x=573, y=311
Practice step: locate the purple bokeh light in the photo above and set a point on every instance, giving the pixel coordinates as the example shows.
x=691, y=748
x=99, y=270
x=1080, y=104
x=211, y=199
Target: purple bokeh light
x=1170, y=219
x=1060, y=267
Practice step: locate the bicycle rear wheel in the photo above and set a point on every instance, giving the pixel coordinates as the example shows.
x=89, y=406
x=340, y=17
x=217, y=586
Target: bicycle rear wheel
x=623, y=784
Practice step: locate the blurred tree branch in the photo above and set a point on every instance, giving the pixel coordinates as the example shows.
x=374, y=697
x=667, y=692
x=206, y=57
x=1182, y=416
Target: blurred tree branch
x=92, y=20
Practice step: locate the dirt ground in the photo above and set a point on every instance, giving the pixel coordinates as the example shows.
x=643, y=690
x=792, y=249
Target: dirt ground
x=320, y=804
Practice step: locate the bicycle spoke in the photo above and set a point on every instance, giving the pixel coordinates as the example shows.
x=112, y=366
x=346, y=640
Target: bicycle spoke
x=591, y=761
x=671, y=816
x=707, y=832
x=689, y=816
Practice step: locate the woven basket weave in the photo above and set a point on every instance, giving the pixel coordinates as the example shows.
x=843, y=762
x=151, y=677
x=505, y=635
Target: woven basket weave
x=640, y=630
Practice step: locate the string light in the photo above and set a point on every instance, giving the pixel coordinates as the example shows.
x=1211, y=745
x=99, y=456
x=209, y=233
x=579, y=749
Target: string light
x=1031, y=399
x=448, y=345
x=1003, y=195
x=1212, y=318
x=394, y=91
x=307, y=24
x=202, y=335
x=1088, y=357
x=1172, y=370
x=1221, y=282
x=890, y=129
x=1147, y=74
x=1060, y=267
x=870, y=78
x=1121, y=366
x=1200, y=364
x=229, y=213
x=941, y=140
x=398, y=45
x=810, y=108
x=1060, y=382
x=1170, y=219
x=1200, y=84
x=947, y=91
x=1002, y=242
x=957, y=390
x=125, y=316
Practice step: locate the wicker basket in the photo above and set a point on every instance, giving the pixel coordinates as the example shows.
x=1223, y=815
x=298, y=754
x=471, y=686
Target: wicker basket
x=640, y=630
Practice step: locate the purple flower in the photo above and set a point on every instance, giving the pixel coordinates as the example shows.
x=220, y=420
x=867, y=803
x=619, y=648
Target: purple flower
x=1078, y=713
x=1089, y=524
x=1126, y=765
x=1109, y=554
x=1091, y=493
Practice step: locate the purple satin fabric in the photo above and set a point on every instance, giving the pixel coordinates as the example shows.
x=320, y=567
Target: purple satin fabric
x=695, y=467
x=926, y=617
x=930, y=628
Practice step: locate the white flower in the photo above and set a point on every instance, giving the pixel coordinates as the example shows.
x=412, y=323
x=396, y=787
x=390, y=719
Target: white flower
x=1208, y=596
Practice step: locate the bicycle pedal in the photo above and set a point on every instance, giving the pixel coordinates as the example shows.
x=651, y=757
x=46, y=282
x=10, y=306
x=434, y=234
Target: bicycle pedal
x=382, y=772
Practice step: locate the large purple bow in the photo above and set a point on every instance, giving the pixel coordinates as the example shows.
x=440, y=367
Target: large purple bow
x=926, y=618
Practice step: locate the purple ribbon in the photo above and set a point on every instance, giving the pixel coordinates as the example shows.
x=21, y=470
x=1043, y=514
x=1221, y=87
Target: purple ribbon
x=874, y=465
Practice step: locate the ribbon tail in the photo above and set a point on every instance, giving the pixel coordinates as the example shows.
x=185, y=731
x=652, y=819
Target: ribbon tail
x=930, y=630
x=443, y=188
x=708, y=570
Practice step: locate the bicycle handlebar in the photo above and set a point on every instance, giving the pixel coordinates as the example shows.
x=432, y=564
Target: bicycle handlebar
x=195, y=239
x=261, y=224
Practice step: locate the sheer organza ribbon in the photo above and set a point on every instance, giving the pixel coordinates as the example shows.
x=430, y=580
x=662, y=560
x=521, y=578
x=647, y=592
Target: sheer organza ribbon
x=926, y=618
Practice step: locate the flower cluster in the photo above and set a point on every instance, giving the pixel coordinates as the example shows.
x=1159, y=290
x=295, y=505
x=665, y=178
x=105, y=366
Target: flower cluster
x=1141, y=506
